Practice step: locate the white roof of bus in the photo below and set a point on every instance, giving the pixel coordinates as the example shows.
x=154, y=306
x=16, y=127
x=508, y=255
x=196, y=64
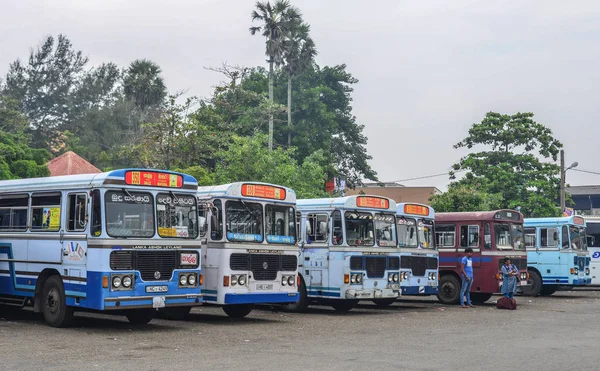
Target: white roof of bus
x=235, y=190
x=347, y=202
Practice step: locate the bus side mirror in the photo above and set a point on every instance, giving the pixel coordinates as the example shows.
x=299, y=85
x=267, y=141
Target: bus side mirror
x=591, y=240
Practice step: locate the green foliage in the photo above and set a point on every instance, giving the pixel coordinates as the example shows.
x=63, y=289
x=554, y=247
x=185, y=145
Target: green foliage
x=464, y=198
x=143, y=83
x=510, y=169
x=248, y=159
x=202, y=175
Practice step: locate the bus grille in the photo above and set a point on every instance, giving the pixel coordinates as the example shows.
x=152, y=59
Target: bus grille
x=521, y=264
x=264, y=267
x=148, y=263
x=418, y=264
x=375, y=266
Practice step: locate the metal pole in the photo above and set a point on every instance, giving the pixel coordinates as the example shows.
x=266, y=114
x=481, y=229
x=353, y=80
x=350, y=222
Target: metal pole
x=562, y=182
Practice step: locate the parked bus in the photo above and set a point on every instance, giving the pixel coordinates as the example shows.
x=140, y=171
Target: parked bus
x=556, y=254
x=593, y=239
x=348, y=251
x=418, y=253
x=249, y=246
x=122, y=242
x=493, y=235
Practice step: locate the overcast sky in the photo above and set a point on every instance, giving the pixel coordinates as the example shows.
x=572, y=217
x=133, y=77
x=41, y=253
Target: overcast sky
x=427, y=70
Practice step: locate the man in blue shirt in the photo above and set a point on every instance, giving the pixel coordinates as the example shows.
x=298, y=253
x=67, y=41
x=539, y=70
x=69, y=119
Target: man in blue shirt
x=467, y=278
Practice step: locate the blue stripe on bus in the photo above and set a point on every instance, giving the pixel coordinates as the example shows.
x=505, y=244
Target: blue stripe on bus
x=414, y=290
x=204, y=291
x=475, y=260
x=261, y=298
x=323, y=288
x=209, y=298
x=322, y=293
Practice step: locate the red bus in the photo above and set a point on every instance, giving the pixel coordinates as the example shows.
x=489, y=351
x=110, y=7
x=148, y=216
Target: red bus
x=493, y=235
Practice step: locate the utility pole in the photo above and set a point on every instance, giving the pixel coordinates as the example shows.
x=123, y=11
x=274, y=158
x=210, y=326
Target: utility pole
x=562, y=182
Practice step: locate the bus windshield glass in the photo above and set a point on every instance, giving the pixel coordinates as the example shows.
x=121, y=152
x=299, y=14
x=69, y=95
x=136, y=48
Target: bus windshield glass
x=518, y=236
x=407, y=232
x=576, y=236
x=129, y=214
x=281, y=225
x=426, y=233
x=244, y=221
x=359, y=229
x=177, y=215
x=385, y=230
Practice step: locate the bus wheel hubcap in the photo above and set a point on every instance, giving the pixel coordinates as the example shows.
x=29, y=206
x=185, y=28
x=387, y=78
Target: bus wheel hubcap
x=52, y=302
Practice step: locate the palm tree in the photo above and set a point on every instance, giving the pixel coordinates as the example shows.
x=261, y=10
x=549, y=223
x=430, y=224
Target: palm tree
x=277, y=21
x=299, y=55
x=143, y=83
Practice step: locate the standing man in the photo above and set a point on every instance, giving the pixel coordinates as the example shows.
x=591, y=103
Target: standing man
x=467, y=278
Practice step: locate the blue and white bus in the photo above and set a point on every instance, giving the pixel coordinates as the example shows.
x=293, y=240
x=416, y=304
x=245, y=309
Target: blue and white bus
x=557, y=254
x=348, y=251
x=249, y=245
x=418, y=254
x=123, y=242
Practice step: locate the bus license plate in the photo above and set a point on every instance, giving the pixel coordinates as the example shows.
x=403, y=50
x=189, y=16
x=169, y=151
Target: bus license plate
x=158, y=302
x=157, y=288
x=395, y=286
x=264, y=286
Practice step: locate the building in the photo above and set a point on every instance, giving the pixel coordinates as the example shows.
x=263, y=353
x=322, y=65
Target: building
x=586, y=199
x=69, y=163
x=397, y=192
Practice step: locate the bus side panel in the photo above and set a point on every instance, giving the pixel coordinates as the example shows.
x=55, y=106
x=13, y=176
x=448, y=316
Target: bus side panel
x=212, y=287
x=10, y=271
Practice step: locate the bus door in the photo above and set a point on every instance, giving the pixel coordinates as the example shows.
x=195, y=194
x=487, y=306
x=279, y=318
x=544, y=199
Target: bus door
x=73, y=238
x=316, y=253
x=470, y=236
x=445, y=235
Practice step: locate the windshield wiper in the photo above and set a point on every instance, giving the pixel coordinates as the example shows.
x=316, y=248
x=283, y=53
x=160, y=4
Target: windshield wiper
x=251, y=212
x=130, y=196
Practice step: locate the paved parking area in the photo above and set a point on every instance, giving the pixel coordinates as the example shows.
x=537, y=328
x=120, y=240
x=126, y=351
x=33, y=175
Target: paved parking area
x=561, y=332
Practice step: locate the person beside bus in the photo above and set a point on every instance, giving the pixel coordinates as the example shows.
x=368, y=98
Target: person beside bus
x=509, y=279
x=467, y=278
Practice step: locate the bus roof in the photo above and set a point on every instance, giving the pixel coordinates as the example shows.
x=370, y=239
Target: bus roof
x=510, y=215
x=253, y=190
x=415, y=209
x=367, y=202
x=115, y=178
x=534, y=222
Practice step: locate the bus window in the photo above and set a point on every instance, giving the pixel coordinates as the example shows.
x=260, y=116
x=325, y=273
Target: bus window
x=426, y=239
x=583, y=239
x=176, y=215
x=574, y=237
x=338, y=231
x=96, y=214
x=530, y=240
x=216, y=231
x=385, y=230
x=593, y=233
x=565, y=237
x=244, y=221
x=45, y=212
x=549, y=237
x=469, y=236
x=316, y=227
x=445, y=235
x=518, y=236
x=129, y=214
x=281, y=227
x=77, y=214
x=487, y=237
x=13, y=213
x=359, y=228
x=407, y=232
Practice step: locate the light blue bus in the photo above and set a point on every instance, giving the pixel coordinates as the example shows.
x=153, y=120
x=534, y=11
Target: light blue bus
x=418, y=254
x=557, y=254
x=348, y=251
x=123, y=242
x=249, y=245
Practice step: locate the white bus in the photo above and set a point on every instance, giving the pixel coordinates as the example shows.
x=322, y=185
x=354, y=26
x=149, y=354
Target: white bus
x=249, y=246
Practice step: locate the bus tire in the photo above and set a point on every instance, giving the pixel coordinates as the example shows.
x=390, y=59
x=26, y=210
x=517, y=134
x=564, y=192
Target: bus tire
x=480, y=297
x=449, y=290
x=140, y=316
x=54, y=306
x=548, y=290
x=344, y=305
x=237, y=310
x=302, y=304
x=174, y=313
x=535, y=287
x=383, y=303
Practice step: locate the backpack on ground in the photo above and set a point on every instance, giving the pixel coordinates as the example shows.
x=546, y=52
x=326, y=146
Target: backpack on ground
x=506, y=303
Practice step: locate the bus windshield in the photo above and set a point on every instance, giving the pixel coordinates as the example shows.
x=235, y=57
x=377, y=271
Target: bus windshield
x=244, y=221
x=407, y=232
x=177, y=215
x=385, y=230
x=509, y=236
x=129, y=214
x=281, y=227
x=426, y=240
x=359, y=228
x=577, y=238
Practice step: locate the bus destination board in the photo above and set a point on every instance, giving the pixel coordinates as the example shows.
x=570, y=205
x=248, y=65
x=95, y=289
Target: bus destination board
x=416, y=209
x=578, y=220
x=372, y=202
x=153, y=179
x=263, y=191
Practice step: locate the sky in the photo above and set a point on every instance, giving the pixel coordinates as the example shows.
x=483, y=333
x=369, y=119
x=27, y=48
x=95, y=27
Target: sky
x=427, y=70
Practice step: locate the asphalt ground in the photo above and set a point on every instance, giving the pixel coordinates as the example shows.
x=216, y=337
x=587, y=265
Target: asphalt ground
x=561, y=332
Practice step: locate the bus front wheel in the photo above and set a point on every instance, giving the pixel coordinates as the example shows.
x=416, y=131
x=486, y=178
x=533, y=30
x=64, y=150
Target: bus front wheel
x=302, y=303
x=140, y=316
x=54, y=306
x=535, y=287
x=344, y=305
x=449, y=292
x=238, y=310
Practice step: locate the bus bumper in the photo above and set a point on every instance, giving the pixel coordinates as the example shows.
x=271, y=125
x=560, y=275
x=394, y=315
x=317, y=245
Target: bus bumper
x=419, y=290
x=262, y=298
x=131, y=302
x=581, y=281
x=371, y=293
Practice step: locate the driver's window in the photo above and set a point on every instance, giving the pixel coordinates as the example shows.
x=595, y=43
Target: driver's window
x=337, y=237
x=77, y=212
x=565, y=238
x=316, y=227
x=96, y=214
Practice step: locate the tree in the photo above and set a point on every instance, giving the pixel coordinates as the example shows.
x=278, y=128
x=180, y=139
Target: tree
x=277, y=22
x=509, y=168
x=464, y=198
x=144, y=84
x=299, y=55
x=248, y=159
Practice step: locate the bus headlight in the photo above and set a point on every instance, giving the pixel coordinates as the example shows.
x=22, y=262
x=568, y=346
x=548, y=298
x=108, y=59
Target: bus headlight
x=587, y=271
x=192, y=279
x=234, y=279
x=404, y=275
x=291, y=280
x=353, y=278
x=183, y=280
x=359, y=278
x=242, y=280
x=396, y=277
x=390, y=277
x=116, y=282
x=126, y=281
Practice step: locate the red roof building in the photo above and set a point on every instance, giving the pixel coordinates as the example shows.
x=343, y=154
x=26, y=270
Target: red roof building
x=70, y=163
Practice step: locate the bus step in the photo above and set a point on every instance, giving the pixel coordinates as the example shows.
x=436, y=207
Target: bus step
x=13, y=301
